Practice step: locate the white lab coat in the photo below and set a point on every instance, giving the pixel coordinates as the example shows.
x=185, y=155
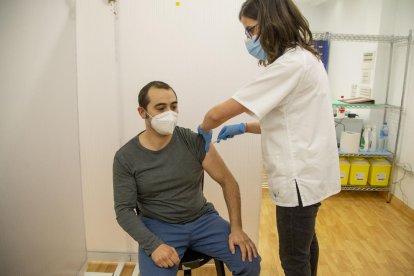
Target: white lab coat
x=292, y=101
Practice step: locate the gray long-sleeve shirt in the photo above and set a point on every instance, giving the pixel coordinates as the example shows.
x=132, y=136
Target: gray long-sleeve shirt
x=165, y=185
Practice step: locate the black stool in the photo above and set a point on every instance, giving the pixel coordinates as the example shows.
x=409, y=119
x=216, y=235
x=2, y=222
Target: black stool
x=193, y=259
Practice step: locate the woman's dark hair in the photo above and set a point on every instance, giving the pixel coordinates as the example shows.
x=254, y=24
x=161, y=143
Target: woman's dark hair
x=143, y=99
x=281, y=26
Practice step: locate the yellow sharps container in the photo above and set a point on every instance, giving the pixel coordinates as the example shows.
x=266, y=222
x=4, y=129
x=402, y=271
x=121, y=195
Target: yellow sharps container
x=344, y=170
x=379, y=172
x=359, y=171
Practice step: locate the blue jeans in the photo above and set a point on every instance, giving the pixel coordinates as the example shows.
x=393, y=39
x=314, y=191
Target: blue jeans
x=208, y=234
x=298, y=244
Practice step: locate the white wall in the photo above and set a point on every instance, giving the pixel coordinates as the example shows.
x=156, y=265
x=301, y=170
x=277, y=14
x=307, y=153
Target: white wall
x=198, y=49
x=41, y=217
x=404, y=20
x=98, y=122
x=348, y=17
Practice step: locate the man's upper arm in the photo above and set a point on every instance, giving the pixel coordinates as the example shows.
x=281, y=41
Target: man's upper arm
x=214, y=165
x=210, y=161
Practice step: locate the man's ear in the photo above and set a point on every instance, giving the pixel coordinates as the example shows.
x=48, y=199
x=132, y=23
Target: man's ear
x=142, y=113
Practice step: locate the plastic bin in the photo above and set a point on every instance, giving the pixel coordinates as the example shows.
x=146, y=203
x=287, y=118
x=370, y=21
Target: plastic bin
x=359, y=171
x=344, y=167
x=379, y=172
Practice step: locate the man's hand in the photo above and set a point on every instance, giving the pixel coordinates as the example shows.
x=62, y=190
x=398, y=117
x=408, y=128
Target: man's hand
x=245, y=244
x=165, y=256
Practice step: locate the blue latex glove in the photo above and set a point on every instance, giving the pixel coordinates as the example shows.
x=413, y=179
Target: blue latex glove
x=230, y=131
x=207, y=137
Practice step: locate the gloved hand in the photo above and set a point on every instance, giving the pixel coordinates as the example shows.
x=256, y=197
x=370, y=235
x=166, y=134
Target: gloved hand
x=207, y=137
x=231, y=130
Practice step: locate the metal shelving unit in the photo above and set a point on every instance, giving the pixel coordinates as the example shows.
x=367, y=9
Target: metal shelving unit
x=390, y=155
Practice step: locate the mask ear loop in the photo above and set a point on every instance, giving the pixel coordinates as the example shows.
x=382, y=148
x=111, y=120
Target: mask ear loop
x=148, y=116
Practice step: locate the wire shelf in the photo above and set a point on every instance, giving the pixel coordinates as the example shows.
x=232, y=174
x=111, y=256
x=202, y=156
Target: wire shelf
x=367, y=154
x=365, y=188
x=360, y=37
x=363, y=105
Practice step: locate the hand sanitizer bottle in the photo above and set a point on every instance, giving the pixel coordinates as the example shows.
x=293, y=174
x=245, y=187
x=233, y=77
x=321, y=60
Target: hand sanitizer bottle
x=362, y=140
x=383, y=143
x=373, y=146
x=367, y=134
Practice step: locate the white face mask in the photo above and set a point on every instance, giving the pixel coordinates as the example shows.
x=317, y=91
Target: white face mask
x=165, y=122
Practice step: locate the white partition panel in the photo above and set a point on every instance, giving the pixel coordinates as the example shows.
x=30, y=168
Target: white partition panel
x=41, y=217
x=98, y=123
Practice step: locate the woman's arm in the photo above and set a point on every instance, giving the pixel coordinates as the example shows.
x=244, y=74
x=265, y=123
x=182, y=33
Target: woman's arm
x=253, y=127
x=221, y=113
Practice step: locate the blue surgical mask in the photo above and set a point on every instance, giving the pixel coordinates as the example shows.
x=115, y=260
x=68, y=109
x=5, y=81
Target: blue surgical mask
x=255, y=49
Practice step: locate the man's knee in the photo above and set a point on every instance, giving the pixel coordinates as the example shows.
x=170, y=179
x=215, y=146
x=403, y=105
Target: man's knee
x=249, y=268
x=148, y=268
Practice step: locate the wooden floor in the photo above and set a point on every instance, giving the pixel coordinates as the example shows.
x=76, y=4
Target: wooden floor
x=359, y=234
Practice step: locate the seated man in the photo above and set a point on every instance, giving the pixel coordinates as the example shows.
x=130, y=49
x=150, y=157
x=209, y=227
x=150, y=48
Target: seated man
x=160, y=172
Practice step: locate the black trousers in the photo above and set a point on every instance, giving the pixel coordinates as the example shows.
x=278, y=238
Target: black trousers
x=298, y=244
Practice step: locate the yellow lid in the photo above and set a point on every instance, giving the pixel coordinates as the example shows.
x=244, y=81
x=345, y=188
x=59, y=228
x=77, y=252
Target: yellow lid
x=380, y=161
x=343, y=160
x=359, y=161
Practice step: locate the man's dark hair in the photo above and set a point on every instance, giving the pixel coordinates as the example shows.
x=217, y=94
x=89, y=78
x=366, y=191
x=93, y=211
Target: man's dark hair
x=143, y=99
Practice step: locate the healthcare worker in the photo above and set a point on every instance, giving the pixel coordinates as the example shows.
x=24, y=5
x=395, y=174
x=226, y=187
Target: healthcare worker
x=291, y=101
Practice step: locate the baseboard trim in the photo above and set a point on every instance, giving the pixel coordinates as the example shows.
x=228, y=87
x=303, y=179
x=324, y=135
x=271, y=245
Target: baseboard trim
x=112, y=256
x=116, y=257
x=399, y=204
